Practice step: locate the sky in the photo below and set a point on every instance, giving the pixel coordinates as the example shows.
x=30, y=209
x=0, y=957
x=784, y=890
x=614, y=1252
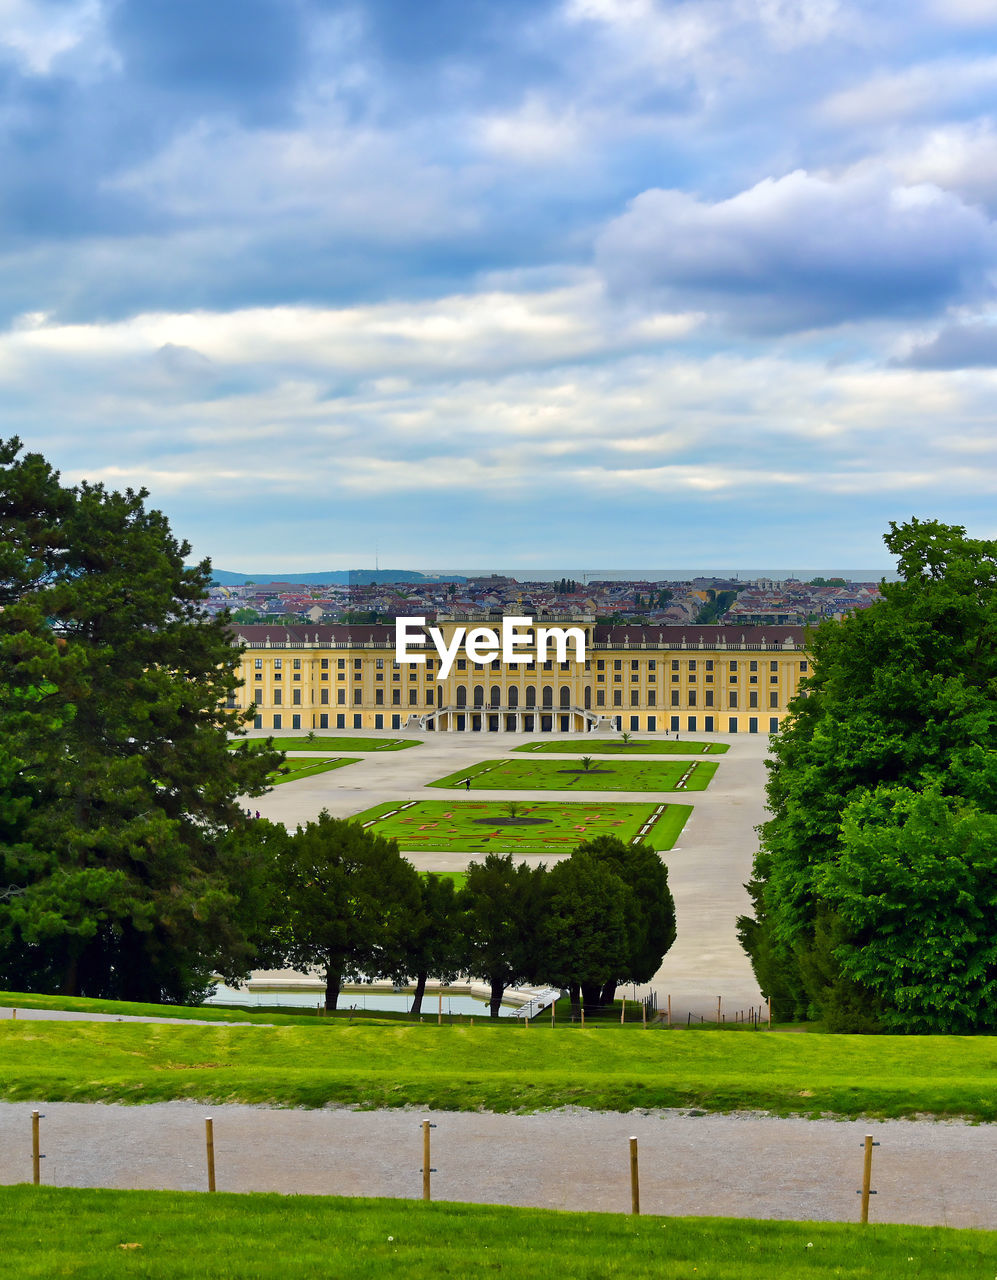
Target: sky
x=507, y=282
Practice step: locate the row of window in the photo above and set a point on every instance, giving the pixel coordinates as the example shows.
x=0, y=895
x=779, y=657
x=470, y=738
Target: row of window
x=545, y=725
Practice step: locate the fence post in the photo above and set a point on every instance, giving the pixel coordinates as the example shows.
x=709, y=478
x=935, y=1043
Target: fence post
x=669, y=1009
x=634, y=1180
x=426, y=1162
x=439, y=1016
x=867, y=1191
x=623, y=1011
x=36, y=1158
x=553, y=1011
x=209, y=1142
x=643, y=1014
x=719, y=998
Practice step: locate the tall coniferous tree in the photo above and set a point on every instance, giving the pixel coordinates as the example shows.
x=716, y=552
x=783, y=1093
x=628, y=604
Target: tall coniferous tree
x=119, y=871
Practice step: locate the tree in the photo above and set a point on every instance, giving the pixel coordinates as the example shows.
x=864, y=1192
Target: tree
x=120, y=842
x=902, y=696
x=584, y=928
x=650, y=908
x=351, y=901
x=915, y=891
x=434, y=947
x=501, y=904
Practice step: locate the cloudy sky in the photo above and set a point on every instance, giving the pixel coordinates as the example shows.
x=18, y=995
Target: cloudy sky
x=584, y=283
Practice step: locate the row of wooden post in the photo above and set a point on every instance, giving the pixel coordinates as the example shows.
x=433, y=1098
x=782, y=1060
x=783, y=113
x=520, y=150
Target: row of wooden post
x=739, y=1015
x=427, y=1163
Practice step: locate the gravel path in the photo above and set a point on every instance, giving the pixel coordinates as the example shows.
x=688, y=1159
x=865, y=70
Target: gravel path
x=735, y=1165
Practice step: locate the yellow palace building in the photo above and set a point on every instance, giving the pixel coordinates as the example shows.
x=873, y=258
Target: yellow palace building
x=647, y=679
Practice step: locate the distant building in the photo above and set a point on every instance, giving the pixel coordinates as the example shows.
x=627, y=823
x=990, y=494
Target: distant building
x=648, y=679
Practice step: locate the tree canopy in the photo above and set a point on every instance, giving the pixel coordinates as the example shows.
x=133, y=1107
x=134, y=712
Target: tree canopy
x=351, y=903
x=120, y=862
x=872, y=883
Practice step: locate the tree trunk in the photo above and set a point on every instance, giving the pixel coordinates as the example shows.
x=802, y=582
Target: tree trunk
x=495, y=1002
x=69, y=984
x=608, y=994
x=591, y=997
x=333, y=981
x=574, y=993
x=420, y=991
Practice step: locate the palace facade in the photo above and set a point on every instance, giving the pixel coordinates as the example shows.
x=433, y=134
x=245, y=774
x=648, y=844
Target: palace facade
x=647, y=679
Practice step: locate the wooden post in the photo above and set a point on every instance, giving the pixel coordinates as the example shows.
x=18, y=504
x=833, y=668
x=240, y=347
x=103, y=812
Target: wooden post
x=527, y=1020
x=13, y=1014
x=439, y=1016
x=36, y=1157
x=769, y=1002
x=718, y=1010
x=426, y=1162
x=209, y=1140
x=866, y=1176
x=583, y=1012
x=643, y=1013
x=623, y=1011
x=634, y=1180
x=553, y=1012
x=669, y=1009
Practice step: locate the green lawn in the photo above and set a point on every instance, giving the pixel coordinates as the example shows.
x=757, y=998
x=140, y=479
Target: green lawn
x=602, y=775
x=459, y=878
x=180, y=1235
x=293, y=770
x=611, y=746
x=479, y=826
x=458, y=1067
x=320, y=743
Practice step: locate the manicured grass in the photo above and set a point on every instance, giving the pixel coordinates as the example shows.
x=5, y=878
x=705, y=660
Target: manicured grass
x=320, y=743
x=179, y=1235
x=602, y=775
x=122, y=1008
x=294, y=770
x=458, y=1067
x=466, y=825
x=661, y=746
x=459, y=878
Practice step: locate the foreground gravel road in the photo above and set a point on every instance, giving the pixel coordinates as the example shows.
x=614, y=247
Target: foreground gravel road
x=739, y=1165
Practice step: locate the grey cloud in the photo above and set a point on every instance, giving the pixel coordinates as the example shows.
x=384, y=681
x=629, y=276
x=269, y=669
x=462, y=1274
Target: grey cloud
x=801, y=251
x=962, y=346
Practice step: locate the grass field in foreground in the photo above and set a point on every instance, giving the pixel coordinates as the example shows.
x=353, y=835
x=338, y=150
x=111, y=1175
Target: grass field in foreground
x=464, y=1068
x=175, y=1235
x=480, y=826
x=612, y=746
x=322, y=743
x=602, y=775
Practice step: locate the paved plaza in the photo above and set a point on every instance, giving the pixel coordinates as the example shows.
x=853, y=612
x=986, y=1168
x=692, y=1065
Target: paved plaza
x=707, y=869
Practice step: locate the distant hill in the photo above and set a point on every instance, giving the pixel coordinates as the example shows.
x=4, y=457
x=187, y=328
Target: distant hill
x=358, y=577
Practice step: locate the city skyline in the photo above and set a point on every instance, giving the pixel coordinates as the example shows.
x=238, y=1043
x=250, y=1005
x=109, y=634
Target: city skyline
x=567, y=281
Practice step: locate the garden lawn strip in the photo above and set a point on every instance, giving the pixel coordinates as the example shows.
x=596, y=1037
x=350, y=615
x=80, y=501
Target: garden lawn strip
x=614, y=746
x=460, y=1067
x=601, y=775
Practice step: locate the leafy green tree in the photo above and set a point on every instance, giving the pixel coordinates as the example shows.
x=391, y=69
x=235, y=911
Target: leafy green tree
x=902, y=695
x=650, y=908
x=121, y=875
x=915, y=890
x=435, y=942
x=585, y=928
x=501, y=900
x=351, y=899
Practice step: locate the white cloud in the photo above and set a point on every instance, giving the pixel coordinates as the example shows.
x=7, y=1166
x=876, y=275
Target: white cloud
x=925, y=88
